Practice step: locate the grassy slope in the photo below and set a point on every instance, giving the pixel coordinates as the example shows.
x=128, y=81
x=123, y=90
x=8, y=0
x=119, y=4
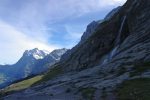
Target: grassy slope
x=22, y=85
x=50, y=74
x=32, y=81
x=136, y=89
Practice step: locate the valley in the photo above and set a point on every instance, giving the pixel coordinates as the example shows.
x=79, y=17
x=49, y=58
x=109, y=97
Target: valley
x=111, y=62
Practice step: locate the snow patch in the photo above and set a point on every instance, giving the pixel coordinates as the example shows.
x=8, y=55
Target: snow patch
x=36, y=53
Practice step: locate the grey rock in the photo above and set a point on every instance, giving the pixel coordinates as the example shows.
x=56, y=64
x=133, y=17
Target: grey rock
x=83, y=65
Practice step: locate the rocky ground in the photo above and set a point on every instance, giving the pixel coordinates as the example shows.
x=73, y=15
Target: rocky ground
x=118, y=51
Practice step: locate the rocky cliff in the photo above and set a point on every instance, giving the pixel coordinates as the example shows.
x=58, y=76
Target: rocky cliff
x=118, y=50
x=126, y=25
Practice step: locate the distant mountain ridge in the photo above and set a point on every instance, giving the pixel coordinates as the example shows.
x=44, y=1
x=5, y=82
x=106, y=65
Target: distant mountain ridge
x=32, y=62
x=113, y=62
x=37, y=54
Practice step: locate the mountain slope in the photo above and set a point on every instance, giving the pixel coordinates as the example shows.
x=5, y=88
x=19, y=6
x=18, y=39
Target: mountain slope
x=32, y=62
x=117, y=53
x=18, y=86
x=123, y=26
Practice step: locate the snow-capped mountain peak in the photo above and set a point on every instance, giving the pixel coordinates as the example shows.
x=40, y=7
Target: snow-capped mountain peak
x=56, y=54
x=36, y=53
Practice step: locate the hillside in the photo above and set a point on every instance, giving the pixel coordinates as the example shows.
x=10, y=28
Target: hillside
x=110, y=63
x=18, y=86
x=33, y=62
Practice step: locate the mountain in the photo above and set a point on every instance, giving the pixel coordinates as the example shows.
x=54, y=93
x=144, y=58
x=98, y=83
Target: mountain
x=112, y=13
x=35, y=53
x=32, y=62
x=112, y=62
x=91, y=29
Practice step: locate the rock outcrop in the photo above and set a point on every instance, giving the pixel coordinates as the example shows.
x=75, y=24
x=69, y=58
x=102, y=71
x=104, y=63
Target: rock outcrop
x=118, y=50
x=89, y=31
x=131, y=21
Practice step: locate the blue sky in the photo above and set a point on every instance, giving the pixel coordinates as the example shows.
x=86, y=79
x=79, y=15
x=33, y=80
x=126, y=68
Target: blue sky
x=46, y=24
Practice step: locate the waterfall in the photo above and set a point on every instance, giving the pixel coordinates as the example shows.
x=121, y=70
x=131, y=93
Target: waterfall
x=110, y=55
x=105, y=61
x=114, y=50
x=120, y=31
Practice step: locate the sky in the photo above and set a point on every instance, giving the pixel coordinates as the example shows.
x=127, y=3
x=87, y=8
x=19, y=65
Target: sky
x=46, y=24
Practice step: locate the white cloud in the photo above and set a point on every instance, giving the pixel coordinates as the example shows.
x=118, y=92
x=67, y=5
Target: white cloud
x=32, y=16
x=106, y=3
x=24, y=23
x=61, y=9
x=13, y=43
x=73, y=34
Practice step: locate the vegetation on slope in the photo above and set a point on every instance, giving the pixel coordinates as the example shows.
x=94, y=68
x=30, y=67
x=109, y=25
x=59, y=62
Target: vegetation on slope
x=20, y=85
x=139, y=68
x=136, y=89
x=50, y=74
x=31, y=81
x=88, y=93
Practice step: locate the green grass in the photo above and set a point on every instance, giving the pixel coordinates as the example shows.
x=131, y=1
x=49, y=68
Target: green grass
x=136, y=89
x=23, y=84
x=20, y=85
x=31, y=82
x=88, y=93
x=51, y=74
x=139, y=68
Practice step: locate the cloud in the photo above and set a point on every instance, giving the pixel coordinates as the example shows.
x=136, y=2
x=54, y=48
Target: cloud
x=13, y=43
x=106, y=3
x=73, y=34
x=33, y=13
x=33, y=16
x=25, y=24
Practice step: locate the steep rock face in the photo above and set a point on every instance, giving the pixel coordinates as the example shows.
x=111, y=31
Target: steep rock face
x=131, y=21
x=119, y=50
x=111, y=14
x=58, y=53
x=89, y=30
x=134, y=46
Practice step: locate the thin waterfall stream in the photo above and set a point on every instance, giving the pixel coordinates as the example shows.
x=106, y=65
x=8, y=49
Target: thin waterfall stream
x=117, y=42
x=120, y=31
